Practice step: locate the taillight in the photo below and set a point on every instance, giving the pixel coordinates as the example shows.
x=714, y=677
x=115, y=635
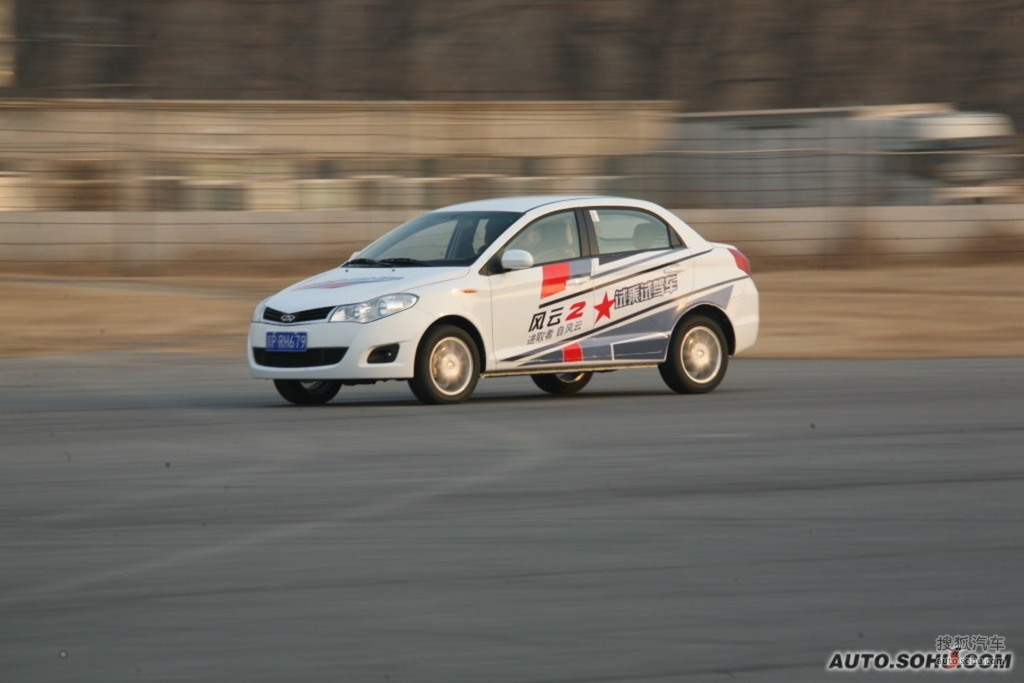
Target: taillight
x=742, y=262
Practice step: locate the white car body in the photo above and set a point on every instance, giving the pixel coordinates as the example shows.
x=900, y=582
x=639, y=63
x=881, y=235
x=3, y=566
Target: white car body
x=594, y=312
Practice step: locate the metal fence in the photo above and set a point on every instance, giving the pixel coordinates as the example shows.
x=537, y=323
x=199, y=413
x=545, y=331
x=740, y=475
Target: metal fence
x=255, y=183
x=146, y=187
x=282, y=242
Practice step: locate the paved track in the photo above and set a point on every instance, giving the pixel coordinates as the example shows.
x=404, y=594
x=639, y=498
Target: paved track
x=170, y=519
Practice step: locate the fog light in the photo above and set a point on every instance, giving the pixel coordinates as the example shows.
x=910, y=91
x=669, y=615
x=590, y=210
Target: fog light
x=383, y=354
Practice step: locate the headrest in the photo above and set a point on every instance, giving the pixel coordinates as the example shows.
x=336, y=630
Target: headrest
x=646, y=234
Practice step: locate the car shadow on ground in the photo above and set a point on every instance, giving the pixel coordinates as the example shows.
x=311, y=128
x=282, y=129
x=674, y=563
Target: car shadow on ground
x=490, y=400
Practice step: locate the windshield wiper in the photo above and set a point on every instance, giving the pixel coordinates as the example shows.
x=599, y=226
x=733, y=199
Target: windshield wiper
x=405, y=262
x=363, y=262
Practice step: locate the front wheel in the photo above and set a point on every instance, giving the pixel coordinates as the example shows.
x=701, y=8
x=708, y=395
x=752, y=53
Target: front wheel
x=447, y=366
x=698, y=356
x=562, y=382
x=307, y=393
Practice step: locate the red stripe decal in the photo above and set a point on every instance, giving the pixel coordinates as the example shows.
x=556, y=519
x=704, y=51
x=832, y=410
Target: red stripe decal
x=573, y=353
x=555, y=277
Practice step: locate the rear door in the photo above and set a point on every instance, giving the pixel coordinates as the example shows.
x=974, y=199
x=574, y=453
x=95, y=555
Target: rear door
x=642, y=273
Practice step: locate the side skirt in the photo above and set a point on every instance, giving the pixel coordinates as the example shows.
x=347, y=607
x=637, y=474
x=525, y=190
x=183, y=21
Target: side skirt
x=567, y=369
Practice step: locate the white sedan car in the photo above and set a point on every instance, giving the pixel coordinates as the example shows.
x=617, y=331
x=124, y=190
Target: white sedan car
x=556, y=288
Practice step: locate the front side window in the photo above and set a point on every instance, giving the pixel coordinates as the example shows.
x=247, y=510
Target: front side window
x=552, y=238
x=441, y=238
x=626, y=230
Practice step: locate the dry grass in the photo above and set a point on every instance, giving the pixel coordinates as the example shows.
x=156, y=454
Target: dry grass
x=909, y=312
x=899, y=312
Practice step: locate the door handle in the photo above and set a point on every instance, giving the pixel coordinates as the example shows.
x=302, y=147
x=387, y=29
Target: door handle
x=577, y=281
x=675, y=268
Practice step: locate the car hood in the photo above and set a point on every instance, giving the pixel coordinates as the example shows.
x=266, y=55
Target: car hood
x=352, y=285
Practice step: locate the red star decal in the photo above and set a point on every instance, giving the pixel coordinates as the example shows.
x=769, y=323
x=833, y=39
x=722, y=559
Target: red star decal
x=604, y=309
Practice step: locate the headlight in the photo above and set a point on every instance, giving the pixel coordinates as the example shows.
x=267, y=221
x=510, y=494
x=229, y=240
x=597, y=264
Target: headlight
x=374, y=309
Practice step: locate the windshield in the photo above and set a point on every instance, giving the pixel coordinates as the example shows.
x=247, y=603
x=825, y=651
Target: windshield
x=441, y=238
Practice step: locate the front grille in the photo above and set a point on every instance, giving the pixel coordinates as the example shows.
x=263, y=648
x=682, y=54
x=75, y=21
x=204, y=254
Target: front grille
x=310, y=358
x=274, y=315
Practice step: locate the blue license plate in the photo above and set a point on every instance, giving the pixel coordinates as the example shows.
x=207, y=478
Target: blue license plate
x=286, y=341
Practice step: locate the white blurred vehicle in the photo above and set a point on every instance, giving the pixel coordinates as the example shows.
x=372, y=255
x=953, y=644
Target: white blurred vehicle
x=912, y=154
x=557, y=288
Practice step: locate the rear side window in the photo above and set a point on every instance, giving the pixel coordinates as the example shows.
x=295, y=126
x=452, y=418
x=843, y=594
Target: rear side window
x=625, y=230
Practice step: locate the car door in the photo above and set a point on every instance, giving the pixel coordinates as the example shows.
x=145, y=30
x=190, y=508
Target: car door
x=641, y=276
x=539, y=313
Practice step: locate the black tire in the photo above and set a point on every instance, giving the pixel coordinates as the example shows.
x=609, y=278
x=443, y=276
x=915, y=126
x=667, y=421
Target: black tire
x=563, y=382
x=307, y=393
x=447, y=366
x=698, y=356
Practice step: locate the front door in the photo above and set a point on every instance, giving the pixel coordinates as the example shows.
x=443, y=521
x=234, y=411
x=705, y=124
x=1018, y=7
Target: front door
x=540, y=313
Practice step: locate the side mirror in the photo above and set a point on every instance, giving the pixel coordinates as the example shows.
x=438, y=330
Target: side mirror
x=516, y=259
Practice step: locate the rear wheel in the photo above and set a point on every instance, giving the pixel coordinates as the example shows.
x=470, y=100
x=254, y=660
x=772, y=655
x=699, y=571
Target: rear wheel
x=698, y=356
x=447, y=366
x=562, y=382
x=307, y=393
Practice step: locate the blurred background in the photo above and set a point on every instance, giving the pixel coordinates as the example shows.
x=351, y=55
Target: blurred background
x=153, y=132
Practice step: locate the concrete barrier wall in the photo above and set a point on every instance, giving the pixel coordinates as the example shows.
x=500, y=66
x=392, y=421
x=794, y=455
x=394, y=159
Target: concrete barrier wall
x=160, y=243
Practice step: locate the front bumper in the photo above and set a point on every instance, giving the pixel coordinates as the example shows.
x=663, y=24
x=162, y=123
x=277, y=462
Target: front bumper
x=403, y=329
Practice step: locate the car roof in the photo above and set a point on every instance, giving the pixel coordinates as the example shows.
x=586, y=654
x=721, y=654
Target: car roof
x=524, y=204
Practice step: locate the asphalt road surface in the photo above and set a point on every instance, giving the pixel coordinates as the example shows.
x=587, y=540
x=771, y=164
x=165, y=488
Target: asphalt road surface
x=167, y=518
